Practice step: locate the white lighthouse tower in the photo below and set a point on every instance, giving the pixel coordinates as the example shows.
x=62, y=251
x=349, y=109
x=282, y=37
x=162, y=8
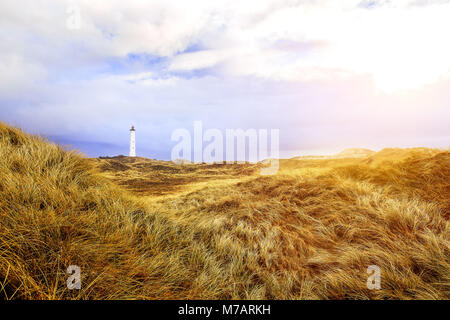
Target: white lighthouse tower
x=132, y=142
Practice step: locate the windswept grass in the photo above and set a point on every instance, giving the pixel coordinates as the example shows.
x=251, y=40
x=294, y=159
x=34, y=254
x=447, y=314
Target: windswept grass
x=221, y=231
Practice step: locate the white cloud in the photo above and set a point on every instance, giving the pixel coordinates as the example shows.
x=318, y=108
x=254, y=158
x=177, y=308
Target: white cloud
x=305, y=66
x=401, y=44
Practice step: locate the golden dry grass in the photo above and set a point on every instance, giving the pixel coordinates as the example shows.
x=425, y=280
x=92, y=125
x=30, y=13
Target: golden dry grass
x=221, y=231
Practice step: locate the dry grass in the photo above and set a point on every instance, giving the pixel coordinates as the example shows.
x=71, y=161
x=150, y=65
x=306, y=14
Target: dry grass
x=221, y=231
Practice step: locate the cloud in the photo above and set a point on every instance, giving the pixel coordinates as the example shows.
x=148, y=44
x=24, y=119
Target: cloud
x=199, y=60
x=400, y=44
x=329, y=73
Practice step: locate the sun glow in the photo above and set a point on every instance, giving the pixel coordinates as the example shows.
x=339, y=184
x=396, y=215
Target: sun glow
x=401, y=47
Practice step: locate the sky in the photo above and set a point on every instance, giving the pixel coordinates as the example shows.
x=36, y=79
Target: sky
x=329, y=75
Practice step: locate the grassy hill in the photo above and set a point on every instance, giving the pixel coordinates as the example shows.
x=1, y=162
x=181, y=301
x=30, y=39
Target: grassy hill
x=147, y=229
x=348, y=153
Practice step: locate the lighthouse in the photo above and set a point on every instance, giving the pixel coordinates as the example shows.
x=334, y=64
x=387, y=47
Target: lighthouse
x=132, y=142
